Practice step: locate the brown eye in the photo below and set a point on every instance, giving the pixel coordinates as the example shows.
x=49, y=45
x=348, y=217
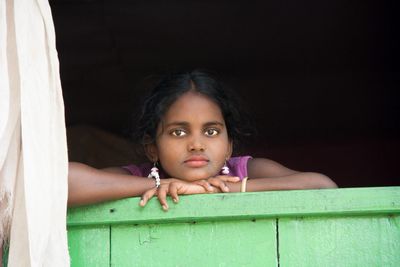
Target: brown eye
x=211, y=132
x=178, y=133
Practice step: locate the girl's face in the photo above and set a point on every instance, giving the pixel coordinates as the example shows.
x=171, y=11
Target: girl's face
x=192, y=141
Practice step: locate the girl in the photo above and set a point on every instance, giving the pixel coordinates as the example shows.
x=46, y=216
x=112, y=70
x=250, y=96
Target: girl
x=188, y=127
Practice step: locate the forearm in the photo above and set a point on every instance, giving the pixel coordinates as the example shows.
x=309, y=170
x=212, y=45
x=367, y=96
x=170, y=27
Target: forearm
x=304, y=180
x=88, y=185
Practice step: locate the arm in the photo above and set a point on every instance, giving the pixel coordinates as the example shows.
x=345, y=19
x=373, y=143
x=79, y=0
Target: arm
x=87, y=185
x=266, y=175
x=178, y=187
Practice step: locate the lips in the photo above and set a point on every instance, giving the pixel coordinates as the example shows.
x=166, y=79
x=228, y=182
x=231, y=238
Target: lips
x=196, y=161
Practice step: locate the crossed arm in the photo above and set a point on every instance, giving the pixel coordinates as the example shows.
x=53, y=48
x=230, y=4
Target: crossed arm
x=265, y=174
x=88, y=185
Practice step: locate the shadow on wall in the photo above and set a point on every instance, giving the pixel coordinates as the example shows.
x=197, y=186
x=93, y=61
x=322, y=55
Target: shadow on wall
x=350, y=163
x=101, y=149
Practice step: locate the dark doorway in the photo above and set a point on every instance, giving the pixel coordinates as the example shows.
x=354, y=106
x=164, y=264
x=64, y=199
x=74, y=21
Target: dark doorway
x=320, y=77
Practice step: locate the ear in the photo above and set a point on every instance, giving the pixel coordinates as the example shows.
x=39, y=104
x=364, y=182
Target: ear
x=230, y=150
x=151, y=151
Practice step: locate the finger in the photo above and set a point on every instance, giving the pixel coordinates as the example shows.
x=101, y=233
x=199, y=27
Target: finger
x=173, y=192
x=232, y=179
x=224, y=187
x=219, y=183
x=207, y=186
x=162, y=197
x=146, y=196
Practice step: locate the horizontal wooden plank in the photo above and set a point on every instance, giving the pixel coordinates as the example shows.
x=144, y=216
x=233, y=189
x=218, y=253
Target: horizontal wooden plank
x=294, y=203
x=89, y=246
x=344, y=241
x=223, y=243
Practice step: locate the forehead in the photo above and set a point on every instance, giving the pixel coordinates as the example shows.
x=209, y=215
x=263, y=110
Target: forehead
x=193, y=106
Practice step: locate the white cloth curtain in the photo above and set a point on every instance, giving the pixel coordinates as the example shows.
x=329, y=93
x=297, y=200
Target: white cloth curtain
x=33, y=151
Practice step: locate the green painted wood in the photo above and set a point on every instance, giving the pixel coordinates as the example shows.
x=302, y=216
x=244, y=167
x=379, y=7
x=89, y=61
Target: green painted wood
x=326, y=202
x=342, y=241
x=227, y=243
x=89, y=246
x=5, y=256
x=335, y=227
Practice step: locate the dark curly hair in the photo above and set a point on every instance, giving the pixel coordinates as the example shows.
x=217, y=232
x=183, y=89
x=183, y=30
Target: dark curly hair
x=172, y=86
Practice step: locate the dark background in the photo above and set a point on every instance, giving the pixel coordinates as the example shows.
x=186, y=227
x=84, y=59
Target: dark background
x=320, y=77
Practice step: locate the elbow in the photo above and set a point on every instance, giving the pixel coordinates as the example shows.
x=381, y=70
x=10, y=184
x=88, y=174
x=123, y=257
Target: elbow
x=76, y=174
x=72, y=179
x=323, y=182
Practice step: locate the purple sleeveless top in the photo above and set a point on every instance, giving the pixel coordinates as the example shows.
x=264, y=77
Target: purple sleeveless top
x=237, y=167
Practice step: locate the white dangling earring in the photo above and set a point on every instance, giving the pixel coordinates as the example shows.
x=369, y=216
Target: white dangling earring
x=225, y=169
x=155, y=175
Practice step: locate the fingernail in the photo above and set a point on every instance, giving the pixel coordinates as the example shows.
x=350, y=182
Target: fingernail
x=165, y=207
x=141, y=202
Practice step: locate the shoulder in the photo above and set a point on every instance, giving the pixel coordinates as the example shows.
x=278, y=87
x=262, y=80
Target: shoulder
x=137, y=170
x=238, y=160
x=264, y=168
x=238, y=166
x=141, y=170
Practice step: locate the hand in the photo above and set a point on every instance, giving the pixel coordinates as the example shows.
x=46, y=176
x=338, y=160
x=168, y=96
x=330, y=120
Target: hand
x=217, y=184
x=173, y=188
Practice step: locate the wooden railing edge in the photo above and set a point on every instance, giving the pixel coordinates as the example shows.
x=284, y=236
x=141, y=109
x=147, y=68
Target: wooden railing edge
x=272, y=204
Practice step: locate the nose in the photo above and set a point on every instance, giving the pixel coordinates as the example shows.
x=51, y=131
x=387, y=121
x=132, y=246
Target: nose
x=196, y=144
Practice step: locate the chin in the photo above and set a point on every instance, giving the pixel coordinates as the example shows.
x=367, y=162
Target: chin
x=195, y=176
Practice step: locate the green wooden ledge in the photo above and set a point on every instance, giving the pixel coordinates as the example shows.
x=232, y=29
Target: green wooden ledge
x=273, y=204
x=330, y=227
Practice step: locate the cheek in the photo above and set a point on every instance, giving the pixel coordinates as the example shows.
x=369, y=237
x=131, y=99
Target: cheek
x=223, y=148
x=220, y=153
x=169, y=152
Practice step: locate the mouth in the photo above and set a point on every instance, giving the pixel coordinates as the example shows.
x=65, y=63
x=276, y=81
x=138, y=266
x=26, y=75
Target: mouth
x=196, y=161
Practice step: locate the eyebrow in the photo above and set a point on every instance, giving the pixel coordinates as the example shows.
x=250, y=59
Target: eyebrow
x=186, y=124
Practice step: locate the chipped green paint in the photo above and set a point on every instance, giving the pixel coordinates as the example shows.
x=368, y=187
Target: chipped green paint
x=340, y=241
x=217, y=207
x=89, y=246
x=340, y=227
x=335, y=227
x=230, y=243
